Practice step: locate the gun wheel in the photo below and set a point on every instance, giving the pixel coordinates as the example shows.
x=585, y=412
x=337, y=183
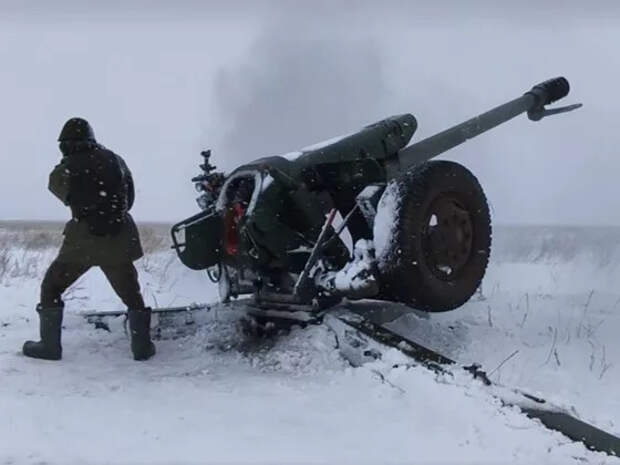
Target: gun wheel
x=439, y=246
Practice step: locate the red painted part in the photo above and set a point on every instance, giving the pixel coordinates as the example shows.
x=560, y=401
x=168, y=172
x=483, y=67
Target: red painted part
x=330, y=218
x=231, y=225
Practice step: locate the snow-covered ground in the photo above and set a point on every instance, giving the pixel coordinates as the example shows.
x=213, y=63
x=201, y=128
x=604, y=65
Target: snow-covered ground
x=217, y=395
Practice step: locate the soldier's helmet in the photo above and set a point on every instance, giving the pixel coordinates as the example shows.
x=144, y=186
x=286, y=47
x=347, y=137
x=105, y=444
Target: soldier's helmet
x=76, y=129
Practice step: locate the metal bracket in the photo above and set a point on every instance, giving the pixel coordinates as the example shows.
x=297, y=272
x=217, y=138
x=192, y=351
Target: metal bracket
x=97, y=318
x=302, y=286
x=542, y=112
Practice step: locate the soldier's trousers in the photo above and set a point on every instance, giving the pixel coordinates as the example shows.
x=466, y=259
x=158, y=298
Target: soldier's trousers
x=60, y=275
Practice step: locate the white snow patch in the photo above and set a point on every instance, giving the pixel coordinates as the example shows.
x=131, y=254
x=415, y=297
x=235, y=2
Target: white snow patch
x=267, y=181
x=386, y=220
x=300, y=249
x=292, y=156
x=215, y=395
x=258, y=179
x=356, y=274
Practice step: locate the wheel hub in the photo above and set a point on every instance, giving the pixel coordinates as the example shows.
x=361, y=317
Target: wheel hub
x=448, y=237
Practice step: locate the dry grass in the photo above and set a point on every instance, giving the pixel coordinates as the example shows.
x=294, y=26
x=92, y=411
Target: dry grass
x=43, y=235
x=29, y=235
x=25, y=245
x=154, y=237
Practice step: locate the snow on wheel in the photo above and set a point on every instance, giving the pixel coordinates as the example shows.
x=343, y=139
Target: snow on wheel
x=224, y=285
x=432, y=237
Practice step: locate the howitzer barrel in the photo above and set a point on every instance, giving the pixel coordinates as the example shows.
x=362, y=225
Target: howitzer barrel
x=532, y=102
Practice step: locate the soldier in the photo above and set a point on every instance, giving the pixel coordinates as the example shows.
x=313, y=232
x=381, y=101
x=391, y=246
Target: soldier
x=97, y=185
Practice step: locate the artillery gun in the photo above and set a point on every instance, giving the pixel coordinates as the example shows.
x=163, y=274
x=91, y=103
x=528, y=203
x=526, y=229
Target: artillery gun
x=420, y=228
x=421, y=234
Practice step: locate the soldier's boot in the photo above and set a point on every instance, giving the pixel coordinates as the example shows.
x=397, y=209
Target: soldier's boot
x=50, y=327
x=140, y=328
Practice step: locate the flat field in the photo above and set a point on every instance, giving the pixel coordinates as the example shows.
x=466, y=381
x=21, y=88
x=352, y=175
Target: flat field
x=546, y=320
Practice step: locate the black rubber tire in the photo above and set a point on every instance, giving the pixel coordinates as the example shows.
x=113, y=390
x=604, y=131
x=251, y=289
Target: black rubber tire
x=405, y=264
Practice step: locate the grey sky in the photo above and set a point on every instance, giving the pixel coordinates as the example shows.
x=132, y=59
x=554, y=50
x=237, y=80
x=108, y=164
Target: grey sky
x=162, y=80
